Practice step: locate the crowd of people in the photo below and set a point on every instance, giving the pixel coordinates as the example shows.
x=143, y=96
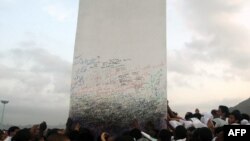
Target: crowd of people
x=195, y=126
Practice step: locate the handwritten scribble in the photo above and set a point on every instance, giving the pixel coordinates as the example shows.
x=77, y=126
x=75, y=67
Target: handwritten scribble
x=112, y=91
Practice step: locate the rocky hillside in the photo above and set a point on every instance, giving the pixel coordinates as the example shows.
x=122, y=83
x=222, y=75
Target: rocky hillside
x=243, y=106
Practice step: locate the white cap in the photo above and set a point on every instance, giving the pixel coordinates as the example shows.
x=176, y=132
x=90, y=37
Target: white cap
x=244, y=122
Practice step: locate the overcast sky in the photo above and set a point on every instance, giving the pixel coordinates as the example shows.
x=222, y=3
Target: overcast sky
x=208, y=53
x=208, y=56
x=36, y=52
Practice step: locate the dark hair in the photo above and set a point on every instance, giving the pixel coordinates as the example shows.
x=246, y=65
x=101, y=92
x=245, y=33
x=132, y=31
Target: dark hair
x=224, y=109
x=188, y=115
x=69, y=124
x=12, y=129
x=1, y=134
x=218, y=130
x=151, y=129
x=191, y=129
x=180, y=132
x=202, y=134
x=86, y=135
x=245, y=116
x=74, y=135
x=42, y=126
x=237, y=115
x=57, y=137
x=197, y=115
x=190, y=132
x=214, y=112
x=135, y=133
x=22, y=135
x=124, y=138
x=164, y=135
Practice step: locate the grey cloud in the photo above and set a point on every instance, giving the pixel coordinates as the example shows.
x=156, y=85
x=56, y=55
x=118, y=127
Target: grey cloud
x=28, y=44
x=202, y=15
x=177, y=62
x=41, y=60
x=34, y=115
x=221, y=39
x=229, y=41
x=35, y=81
x=213, y=104
x=177, y=80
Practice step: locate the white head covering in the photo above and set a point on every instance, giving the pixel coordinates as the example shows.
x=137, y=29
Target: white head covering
x=186, y=123
x=206, y=117
x=174, y=123
x=219, y=122
x=197, y=123
x=244, y=122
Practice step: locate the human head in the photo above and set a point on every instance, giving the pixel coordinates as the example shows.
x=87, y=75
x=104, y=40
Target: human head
x=197, y=110
x=244, y=119
x=234, y=117
x=215, y=113
x=223, y=111
x=13, y=130
x=69, y=124
x=104, y=136
x=124, y=138
x=218, y=130
x=190, y=132
x=42, y=127
x=3, y=135
x=22, y=135
x=180, y=132
x=57, y=137
x=245, y=116
x=188, y=115
x=135, y=133
x=197, y=115
x=164, y=135
x=86, y=134
x=202, y=134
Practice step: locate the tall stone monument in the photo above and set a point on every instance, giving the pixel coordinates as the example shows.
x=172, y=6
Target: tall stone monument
x=119, y=67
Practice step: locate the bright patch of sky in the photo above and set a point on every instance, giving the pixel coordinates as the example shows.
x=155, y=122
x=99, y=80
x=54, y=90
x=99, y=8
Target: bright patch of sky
x=47, y=24
x=177, y=32
x=208, y=54
x=36, y=52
